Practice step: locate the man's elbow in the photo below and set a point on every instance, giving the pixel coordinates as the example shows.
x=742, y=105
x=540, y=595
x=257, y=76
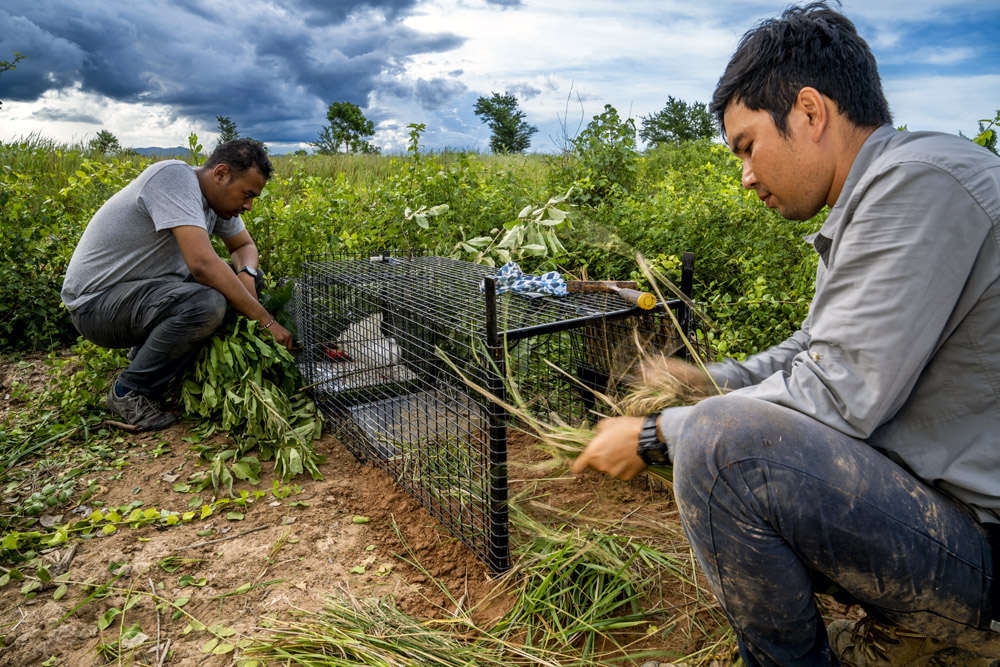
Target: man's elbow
x=204, y=270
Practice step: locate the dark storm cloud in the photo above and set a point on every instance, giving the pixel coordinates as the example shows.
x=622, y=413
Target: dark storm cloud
x=437, y=92
x=524, y=91
x=336, y=11
x=431, y=94
x=273, y=67
x=67, y=116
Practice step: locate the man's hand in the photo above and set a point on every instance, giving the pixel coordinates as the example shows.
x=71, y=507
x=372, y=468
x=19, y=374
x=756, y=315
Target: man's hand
x=281, y=334
x=613, y=449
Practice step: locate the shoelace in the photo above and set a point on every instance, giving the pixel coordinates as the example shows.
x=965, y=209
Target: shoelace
x=872, y=636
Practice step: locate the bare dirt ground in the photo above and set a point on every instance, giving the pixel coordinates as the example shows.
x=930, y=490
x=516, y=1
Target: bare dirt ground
x=293, y=550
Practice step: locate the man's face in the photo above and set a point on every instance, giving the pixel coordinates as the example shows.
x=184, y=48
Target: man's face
x=788, y=172
x=234, y=194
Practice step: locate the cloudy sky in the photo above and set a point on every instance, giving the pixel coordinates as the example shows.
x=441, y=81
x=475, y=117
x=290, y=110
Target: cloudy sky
x=153, y=71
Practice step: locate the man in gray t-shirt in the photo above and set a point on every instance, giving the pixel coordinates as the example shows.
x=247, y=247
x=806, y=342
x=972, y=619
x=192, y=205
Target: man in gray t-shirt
x=145, y=275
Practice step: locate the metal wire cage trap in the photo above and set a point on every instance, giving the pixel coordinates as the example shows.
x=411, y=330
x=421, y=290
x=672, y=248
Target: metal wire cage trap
x=391, y=344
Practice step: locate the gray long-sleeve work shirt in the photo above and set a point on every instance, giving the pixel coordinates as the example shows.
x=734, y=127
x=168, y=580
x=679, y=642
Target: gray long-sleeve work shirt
x=901, y=346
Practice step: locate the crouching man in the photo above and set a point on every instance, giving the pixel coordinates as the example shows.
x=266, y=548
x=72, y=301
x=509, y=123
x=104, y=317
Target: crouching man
x=864, y=451
x=145, y=275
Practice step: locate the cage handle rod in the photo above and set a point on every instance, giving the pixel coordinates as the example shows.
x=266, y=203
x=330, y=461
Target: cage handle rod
x=499, y=548
x=564, y=325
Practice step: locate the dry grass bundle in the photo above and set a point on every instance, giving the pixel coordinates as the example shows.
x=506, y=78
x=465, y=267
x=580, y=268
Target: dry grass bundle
x=662, y=382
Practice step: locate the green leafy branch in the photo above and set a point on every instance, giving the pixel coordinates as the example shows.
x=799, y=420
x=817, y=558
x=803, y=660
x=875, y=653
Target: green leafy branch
x=532, y=234
x=246, y=385
x=987, y=137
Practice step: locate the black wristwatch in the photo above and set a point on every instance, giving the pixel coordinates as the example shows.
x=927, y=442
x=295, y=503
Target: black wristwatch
x=652, y=450
x=248, y=269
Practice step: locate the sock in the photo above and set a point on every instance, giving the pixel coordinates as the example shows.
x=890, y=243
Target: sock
x=119, y=389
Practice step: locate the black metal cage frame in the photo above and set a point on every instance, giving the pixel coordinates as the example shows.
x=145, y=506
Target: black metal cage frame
x=399, y=350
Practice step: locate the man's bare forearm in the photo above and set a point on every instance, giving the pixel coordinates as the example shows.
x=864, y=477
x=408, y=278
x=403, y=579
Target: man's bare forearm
x=218, y=275
x=245, y=255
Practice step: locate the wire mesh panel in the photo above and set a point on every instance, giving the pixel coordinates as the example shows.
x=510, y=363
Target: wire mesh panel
x=391, y=344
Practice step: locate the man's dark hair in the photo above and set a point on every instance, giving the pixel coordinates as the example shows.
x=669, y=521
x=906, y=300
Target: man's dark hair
x=812, y=46
x=240, y=155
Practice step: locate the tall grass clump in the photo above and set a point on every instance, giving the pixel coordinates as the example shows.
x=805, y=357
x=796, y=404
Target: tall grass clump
x=580, y=595
x=350, y=631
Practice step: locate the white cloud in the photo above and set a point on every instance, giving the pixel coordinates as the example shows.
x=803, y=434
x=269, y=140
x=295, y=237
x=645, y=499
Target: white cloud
x=941, y=56
x=134, y=125
x=943, y=104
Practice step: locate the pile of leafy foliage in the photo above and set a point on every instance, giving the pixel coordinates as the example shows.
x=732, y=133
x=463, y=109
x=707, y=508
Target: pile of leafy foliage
x=244, y=384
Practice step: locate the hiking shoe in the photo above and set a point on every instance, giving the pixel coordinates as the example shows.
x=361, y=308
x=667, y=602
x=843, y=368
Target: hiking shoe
x=139, y=410
x=868, y=643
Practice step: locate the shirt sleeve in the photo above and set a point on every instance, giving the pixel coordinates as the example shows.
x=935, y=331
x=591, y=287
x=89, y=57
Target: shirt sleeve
x=883, y=309
x=730, y=374
x=226, y=228
x=172, y=198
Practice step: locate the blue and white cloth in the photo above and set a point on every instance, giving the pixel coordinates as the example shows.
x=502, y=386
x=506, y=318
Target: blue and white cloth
x=510, y=278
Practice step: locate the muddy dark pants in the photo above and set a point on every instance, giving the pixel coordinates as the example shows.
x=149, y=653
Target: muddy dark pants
x=168, y=319
x=772, y=500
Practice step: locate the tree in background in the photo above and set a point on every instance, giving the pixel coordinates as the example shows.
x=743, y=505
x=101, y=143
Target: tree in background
x=511, y=134
x=7, y=65
x=606, y=160
x=677, y=122
x=227, y=129
x=105, y=143
x=348, y=128
x=988, y=133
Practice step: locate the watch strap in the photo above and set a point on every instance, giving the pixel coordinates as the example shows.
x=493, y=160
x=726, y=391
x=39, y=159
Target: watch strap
x=651, y=449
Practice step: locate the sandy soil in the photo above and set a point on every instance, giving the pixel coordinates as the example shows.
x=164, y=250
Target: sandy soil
x=295, y=550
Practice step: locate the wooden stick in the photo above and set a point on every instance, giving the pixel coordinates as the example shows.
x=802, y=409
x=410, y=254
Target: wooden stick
x=163, y=656
x=152, y=589
x=223, y=539
x=122, y=425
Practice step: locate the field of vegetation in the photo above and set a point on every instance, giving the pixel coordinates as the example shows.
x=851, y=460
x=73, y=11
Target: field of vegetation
x=96, y=522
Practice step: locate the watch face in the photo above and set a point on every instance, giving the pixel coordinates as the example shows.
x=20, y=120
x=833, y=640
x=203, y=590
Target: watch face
x=654, y=456
x=249, y=269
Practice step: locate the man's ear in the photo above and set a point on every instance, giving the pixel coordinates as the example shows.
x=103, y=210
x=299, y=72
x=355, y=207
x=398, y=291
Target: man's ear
x=815, y=107
x=220, y=172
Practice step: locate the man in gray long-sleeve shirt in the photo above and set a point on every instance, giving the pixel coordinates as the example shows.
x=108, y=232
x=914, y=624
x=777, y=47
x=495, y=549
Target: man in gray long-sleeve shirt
x=864, y=451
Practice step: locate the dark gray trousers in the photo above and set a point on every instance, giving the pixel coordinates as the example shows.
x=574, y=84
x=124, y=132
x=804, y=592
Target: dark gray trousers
x=773, y=502
x=168, y=320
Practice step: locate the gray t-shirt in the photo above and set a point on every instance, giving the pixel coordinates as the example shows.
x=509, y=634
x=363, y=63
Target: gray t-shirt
x=130, y=239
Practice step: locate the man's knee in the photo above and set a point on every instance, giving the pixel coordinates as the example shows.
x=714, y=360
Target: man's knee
x=725, y=429
x=205, y=311
x=733, y=438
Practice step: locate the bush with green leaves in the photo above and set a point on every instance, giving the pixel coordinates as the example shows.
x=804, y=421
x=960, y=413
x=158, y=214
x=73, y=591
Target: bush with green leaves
x=31, y=263
x=754, y=270
x=47, y=196
x=663, y=202
x=604, y=162
x=431, y=203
